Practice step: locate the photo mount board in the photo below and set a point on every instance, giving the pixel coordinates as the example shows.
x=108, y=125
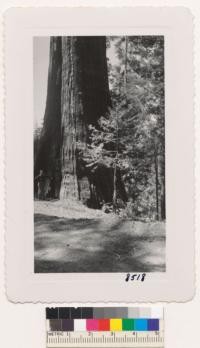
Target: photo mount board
x=21, y=26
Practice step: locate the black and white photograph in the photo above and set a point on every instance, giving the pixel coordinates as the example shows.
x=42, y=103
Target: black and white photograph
x=99, y=154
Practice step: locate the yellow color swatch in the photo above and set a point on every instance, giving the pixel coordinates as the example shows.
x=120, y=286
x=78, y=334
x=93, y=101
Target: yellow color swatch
x=115, y=324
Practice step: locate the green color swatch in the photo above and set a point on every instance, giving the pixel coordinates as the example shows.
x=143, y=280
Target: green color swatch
x=127, y=324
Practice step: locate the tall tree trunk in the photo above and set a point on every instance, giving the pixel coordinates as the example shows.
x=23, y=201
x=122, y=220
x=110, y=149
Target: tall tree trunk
x=162, y=203
x=85, y=98
x=157, y=184
x=125, y=64
x=77, y=96
x=48, y=154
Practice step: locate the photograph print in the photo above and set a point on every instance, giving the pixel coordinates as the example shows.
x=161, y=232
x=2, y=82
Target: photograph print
x=99, y=154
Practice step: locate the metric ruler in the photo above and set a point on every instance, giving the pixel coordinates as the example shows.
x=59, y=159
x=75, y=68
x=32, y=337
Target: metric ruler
x=105, y=339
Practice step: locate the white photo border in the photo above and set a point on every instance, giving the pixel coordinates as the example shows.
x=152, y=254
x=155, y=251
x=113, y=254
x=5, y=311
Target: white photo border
x=178, y=282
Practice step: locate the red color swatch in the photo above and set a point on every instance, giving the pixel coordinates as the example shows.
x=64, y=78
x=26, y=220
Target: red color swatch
x=104, y=325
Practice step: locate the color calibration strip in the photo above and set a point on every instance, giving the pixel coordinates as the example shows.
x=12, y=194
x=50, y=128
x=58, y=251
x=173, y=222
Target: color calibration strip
x=115, y=324
x=103, y=319
x=108, y=326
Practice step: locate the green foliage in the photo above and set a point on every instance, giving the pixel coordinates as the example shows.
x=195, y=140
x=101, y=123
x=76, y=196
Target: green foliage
x=133, y=136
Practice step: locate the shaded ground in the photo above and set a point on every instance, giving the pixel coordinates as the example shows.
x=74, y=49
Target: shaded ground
x=78, y=239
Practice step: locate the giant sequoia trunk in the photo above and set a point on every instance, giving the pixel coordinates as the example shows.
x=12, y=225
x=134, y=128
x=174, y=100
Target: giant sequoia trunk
x=85, y=98
x=48, y=153
x=77, y=96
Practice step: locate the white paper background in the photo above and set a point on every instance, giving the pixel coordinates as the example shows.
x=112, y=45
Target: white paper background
x=28, y=325
x=21, y=26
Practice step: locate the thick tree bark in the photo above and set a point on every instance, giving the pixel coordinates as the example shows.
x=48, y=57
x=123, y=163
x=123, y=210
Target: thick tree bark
x=48, y=154
x=77, y=96
x=85, y=98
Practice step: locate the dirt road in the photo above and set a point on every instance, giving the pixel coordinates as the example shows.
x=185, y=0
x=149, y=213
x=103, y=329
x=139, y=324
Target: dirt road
x=78, y=239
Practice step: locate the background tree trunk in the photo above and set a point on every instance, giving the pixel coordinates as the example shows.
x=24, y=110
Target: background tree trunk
x=48, y=153
x=156, y=183
x=125, y=64
x=163, y=198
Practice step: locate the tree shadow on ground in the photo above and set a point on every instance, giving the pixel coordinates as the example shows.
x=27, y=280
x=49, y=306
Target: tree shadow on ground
x=93, y=245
